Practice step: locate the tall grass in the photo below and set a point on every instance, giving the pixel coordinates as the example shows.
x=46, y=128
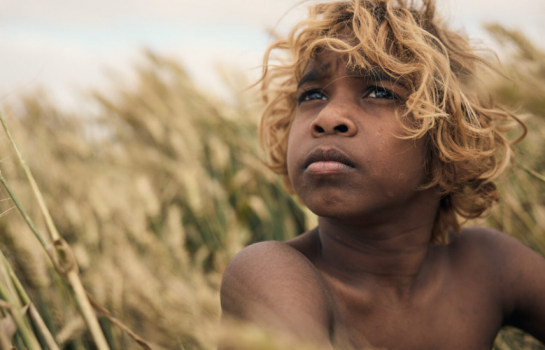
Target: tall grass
x=161, y=184
x=521, y=211
x=155, y=193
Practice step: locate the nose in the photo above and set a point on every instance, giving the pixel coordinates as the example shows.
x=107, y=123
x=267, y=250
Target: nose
x=333, y=119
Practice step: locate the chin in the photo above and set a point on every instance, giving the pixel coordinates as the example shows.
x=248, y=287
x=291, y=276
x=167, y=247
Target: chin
x=351, y=207
x=337, y=207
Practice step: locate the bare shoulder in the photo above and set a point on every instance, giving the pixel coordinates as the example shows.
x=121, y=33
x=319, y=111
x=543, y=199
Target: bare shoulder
x=270, y=261
x=494, y=254
x=484, y=239
x=509, y=267
x=498, y=248
x=273, y=284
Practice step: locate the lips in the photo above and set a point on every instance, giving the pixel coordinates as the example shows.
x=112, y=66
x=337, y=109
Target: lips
x=328, y=156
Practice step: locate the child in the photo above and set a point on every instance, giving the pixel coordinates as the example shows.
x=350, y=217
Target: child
x=378, y=125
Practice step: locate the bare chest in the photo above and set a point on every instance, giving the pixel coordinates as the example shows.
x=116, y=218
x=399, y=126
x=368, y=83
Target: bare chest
x=451, y=316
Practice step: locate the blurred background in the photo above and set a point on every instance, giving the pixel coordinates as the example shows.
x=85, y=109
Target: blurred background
x=135, y=120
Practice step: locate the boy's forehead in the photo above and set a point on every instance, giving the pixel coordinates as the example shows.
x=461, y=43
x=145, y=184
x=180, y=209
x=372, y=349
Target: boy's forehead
x=325, y=64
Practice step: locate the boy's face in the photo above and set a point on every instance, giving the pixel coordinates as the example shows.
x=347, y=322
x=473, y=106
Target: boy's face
x=344, y=159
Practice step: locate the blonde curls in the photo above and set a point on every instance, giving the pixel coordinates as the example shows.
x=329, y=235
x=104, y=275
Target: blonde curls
x=464, y=129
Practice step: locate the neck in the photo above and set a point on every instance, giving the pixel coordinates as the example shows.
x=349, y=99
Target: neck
x=391, y=257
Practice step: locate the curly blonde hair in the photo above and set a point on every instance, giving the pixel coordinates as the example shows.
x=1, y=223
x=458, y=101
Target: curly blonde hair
x=464, y=129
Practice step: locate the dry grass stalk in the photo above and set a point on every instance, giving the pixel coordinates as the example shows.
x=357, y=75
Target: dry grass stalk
x=63, y=259
x=17, y=316
x=532, y=172
x=118, y=323
x=34, y=314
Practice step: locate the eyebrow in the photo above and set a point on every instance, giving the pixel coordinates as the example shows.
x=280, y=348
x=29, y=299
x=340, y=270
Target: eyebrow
x=317, y=73
x=322, y=71
x=373, y=74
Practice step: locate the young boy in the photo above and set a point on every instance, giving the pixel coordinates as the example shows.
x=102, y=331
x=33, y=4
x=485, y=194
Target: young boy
x=379, y=127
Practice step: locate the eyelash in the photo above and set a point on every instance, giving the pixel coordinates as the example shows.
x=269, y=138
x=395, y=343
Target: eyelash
x=304, y=97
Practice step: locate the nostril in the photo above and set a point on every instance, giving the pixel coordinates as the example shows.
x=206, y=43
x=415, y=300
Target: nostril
x=318, y=128
x=341, y=128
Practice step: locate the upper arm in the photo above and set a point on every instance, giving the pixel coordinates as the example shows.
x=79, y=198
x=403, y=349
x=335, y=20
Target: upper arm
x=521, y=274
x=273, y=285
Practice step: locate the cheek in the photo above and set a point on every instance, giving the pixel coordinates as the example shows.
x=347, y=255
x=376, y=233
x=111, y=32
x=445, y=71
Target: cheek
x=408, y=155
x=293, y=149
x=394, y=163
x=403, y=162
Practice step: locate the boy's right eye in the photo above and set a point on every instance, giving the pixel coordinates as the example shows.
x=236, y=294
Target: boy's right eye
x=312, y=95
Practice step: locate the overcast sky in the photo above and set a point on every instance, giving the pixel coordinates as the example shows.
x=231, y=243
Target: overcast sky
x=65, y=46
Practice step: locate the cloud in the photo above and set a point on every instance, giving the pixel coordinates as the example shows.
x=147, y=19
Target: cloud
x=29, y=62
x=248, y=12
x=96, y=12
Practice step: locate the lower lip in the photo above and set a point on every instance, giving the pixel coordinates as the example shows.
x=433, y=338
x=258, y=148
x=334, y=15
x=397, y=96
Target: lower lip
x=328, y=167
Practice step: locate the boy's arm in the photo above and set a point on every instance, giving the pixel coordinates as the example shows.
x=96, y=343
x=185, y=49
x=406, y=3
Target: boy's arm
x=522, y=283
x=272, y=285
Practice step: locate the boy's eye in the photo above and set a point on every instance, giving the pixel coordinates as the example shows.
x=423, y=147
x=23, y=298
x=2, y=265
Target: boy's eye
x=312, y=95
x=378, y=92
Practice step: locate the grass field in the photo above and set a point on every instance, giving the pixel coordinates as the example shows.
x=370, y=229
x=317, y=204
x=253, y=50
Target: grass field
x=161, y=184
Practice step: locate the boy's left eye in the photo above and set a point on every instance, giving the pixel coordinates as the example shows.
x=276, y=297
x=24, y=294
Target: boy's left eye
x=378, y=92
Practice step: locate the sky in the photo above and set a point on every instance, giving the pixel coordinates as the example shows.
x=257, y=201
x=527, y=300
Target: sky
x=68, y=47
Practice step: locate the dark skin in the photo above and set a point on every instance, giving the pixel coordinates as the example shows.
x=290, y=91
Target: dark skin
x=368, y=274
